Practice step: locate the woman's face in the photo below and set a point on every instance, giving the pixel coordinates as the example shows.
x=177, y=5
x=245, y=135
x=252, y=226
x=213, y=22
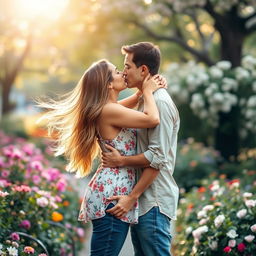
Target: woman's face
x=118, y=82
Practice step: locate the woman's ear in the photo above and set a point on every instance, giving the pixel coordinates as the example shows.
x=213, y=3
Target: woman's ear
x=110, y=85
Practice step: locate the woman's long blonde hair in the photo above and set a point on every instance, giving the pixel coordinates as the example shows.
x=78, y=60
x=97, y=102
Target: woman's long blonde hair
x=73, y=118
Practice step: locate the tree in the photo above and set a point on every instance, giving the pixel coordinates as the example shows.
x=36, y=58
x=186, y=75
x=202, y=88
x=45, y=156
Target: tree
x=210, y=30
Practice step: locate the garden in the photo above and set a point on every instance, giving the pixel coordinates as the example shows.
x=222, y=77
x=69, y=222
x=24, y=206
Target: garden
x=209, y=60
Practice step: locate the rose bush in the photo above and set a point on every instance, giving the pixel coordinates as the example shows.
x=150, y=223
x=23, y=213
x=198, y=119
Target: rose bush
x=32, y=193
x=218, y=218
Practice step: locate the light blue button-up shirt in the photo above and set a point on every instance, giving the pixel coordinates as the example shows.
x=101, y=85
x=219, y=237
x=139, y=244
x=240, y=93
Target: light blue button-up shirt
x=159, y=145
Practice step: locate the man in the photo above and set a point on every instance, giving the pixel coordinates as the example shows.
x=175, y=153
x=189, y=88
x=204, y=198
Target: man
x=156, y=147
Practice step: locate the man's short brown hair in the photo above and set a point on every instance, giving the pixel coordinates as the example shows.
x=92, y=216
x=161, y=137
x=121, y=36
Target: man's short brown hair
x=144, y=53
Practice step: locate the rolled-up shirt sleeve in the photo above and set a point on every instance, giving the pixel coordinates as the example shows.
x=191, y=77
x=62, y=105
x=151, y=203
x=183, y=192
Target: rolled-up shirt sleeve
x=160, y=138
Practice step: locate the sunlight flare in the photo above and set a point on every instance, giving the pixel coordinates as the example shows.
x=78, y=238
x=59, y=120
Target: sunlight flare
x=46, y=9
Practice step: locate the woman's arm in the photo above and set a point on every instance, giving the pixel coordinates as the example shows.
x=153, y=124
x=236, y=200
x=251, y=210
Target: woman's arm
x=117, y=115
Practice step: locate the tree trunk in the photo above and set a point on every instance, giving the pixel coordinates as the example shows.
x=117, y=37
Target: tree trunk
x=227, y=136
x=232, y=34
x=6, y=105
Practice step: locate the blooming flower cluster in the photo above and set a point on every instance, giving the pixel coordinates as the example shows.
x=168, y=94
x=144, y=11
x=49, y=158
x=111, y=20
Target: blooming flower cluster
x=219, y=219
x=216, y=89
x=32, y=193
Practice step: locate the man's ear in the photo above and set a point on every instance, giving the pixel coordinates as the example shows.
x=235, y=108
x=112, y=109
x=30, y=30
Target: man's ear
x=144, y=70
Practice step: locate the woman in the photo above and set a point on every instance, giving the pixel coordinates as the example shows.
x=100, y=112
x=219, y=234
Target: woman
x=88, y=117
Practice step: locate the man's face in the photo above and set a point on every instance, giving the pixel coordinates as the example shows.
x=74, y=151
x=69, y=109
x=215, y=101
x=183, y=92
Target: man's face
x=133, y=75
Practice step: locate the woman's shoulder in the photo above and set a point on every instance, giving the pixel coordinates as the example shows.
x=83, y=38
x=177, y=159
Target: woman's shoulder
x=112, y=108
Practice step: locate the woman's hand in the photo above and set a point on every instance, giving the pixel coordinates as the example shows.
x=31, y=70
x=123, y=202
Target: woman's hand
x=151, y=84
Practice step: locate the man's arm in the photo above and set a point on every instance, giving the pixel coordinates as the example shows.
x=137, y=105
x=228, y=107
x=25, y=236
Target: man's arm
x=125, y=203
x=114, y=159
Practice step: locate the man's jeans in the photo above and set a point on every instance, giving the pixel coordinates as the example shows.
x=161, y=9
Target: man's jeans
x=151, y=236
x=108, y=235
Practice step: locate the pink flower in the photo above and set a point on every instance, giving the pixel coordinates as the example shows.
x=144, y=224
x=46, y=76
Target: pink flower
x=28, y=149
x=15, y=236
x=227, y=249
x=232, y=243
x=241, y=214
x=36, y=179
x=241, y=247
x=53, y=173
x=36, y=165
x=250, y=203
x=25, y=224
x=249, y=238
x=22, y=188
x=253, y=228
x=5, y=173
x=29, y=249
x=42, y=254
x=80, y=232
x=16, y=153
x=3, y=194
x=42, y=201
x=61, y=185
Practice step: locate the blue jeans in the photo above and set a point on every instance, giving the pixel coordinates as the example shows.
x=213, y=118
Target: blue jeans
x=151, y=236
x=108, y=235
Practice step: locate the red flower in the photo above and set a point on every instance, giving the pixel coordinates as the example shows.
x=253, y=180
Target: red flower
x=241, y=247
x=201, y=189
x=227, y=249
x=101, y=188
x=124, y=189
x=234, y=181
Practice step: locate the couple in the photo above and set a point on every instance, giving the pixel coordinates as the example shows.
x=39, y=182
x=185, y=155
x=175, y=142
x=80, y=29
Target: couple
x=134, y=185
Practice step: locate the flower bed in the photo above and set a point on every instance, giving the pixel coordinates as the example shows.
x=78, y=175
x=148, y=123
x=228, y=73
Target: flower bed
x=32, y=195
x=218, y=218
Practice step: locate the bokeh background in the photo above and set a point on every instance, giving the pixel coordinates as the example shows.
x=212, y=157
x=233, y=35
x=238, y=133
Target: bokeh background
x=209, y=59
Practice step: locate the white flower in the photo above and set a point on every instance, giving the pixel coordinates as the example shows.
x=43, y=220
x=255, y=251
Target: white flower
x=241, y=73
x=251, y=101
x=1, y=246
x=197, y=233
x=247, y=194
x=240, y=214
x=213, y=245
x=218, y=97
x=232, y=234
x=208, y=207
x=248, y=62
x=224, y=65
x=253, y=228
x=232, y=243
x=201, y=214
x=203, y=221
x=42, y=201
x=219, y=220
x=249, y=238
x=188, y=230
x=254, y=86
x=216, y=72
x=12, y=251
x=249, y=113
x=250, y=203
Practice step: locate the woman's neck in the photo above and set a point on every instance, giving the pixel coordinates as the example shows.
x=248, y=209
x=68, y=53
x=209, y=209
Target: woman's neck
x=113, y=96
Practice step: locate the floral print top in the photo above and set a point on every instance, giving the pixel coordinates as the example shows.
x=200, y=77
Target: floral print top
x=108, y=182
